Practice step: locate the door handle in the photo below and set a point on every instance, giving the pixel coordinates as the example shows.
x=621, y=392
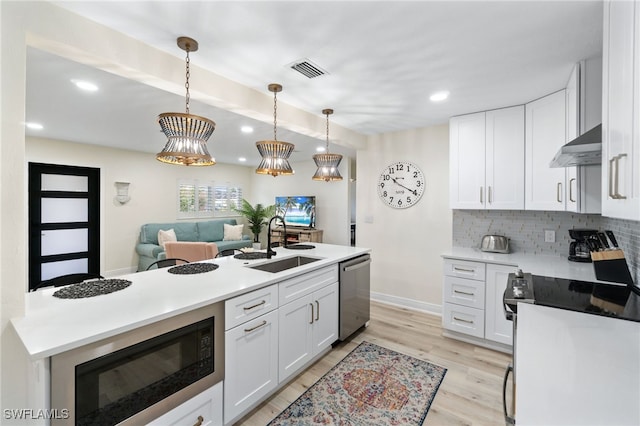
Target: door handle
x=616, y=193
x=311, y=304
x=571, y=190
x=356, y=266
x=611, y=162
x=510, y=420
x=489, y=197
x=481, y=202
x=558, y=192
x=317, y=311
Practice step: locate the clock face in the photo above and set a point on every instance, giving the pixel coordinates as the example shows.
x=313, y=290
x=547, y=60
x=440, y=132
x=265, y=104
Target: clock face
x=401, y=185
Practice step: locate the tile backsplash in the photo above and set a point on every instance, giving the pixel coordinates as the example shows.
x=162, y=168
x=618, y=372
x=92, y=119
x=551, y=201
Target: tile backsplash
x=526, y=230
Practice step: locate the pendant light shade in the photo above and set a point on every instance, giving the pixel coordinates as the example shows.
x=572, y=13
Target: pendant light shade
x=275, y=154
x=327, y=163
x=187, y=134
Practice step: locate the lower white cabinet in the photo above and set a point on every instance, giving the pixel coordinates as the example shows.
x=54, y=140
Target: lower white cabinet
x=204, y=409
x=496, y=326
x=308, y=325
x=251, y=363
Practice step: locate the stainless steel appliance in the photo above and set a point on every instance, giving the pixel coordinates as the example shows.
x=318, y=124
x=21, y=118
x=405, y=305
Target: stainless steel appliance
x=354, y=294
x=495, y=244
x=519, y=289
x=139, y=375
x=582, y=245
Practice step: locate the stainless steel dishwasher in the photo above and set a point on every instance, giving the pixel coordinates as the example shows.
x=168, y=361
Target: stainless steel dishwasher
x=354, y=294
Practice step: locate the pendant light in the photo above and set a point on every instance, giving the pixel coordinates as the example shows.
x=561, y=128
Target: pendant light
x=187, y=133
x=327, y=163
x=275, y=154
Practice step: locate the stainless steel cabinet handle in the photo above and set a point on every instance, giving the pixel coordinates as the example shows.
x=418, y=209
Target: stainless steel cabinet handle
x=317, y=311
x=311, y=304
x=489, y=195
x=248, y=308
x=463, y=320
x=507, y=418
x=616, y=193
x=481, y=195
x=611, y=161
x=199, y=422
x=571, y=190
x=558, y=192
x=455, y=268
x=262, y=324
x=464, y=292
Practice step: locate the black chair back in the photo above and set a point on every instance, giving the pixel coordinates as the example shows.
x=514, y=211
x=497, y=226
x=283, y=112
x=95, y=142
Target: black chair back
x=165, y=263
x=67, y=280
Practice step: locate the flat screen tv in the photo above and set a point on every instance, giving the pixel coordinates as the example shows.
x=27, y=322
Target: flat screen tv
x=297, y=211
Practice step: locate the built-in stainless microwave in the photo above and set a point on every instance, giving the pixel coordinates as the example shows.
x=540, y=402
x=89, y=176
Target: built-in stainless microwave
x=137, y=376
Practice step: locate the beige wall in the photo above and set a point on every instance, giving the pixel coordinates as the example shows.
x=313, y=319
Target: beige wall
x=152, y=191
x=406, y=243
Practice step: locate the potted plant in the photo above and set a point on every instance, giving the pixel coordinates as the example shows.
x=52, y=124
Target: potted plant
x=257, y=217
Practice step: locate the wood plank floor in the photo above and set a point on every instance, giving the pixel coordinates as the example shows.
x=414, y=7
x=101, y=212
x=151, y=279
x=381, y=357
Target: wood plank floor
x=471, y=393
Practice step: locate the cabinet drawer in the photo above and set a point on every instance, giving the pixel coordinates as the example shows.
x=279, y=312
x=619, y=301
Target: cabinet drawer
x=204, y=408
x=464, y=269
x=464, y=292
x=302, y=285
x=463, y=319
x=249, y=306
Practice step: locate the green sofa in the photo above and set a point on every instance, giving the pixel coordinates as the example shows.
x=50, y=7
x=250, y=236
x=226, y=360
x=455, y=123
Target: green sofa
x=211, y=231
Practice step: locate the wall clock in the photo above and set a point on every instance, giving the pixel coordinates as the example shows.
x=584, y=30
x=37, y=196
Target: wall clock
x=401, y=184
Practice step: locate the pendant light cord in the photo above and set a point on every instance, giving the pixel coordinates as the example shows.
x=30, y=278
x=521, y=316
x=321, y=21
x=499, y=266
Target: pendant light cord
x=186, y=85
x=275, y=115
x=327, y=150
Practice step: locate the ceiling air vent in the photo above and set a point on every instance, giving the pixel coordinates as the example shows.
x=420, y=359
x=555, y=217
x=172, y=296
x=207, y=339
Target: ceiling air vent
x=308, y=68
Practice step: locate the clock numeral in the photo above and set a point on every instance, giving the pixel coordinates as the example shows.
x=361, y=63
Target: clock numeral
x=399, y=202
x=419, y=183
x=387, y=177
x=391, y=170
x=415, y=175
x=384, y=194
x=390, y=200
x=399, y=167
x=409, y=200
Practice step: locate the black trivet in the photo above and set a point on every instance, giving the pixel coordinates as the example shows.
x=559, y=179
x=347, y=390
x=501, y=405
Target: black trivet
x=251, y=256
x=193, y=268
x=91, y=288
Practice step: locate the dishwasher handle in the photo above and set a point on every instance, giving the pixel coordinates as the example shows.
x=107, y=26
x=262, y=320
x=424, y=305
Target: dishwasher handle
x=356, y=266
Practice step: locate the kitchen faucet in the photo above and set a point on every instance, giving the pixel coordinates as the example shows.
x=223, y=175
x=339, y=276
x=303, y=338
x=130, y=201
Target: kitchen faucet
x=284, y=236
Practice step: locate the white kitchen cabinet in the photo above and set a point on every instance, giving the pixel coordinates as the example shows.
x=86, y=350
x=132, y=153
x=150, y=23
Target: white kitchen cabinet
x=251, y=363
x=572, y=101
x=204, y=409
x=308, y=325
x=620, y=106
x=545, y=133
x=463, y=297
x=487, y=160
x=496, y=326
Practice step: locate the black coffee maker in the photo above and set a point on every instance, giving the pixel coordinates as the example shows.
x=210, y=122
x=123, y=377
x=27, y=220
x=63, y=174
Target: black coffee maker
x=579, y=249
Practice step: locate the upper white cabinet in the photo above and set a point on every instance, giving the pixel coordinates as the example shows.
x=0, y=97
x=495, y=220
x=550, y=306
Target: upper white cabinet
x=545, y=133
x=572, y=102
x=487, y=160
x=621, y=103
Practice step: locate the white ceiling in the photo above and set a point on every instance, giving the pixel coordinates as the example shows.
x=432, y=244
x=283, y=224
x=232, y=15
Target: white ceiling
x=383, y=58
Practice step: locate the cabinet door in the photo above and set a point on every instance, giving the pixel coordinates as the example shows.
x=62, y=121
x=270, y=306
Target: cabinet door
x=295, y=341
x=572, y=95
x=251, y=363
x=497, y=328
x=505, y=159
x=620, y=126
x=467, y=161
x=325, y=317
x=544, y=135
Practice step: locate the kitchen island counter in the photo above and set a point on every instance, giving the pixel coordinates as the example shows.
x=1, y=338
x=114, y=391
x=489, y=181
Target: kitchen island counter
x=52, y=325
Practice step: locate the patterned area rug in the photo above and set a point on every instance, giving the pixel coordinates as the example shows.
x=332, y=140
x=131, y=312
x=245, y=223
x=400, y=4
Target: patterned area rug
x=370, y=386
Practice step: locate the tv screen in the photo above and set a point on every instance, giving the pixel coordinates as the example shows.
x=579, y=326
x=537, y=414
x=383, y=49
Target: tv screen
x=297, y=211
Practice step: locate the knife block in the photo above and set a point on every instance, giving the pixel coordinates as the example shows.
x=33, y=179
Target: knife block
x=611, y=265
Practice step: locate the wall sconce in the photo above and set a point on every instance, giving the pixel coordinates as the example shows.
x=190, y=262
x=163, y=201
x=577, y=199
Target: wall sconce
x=122, y=192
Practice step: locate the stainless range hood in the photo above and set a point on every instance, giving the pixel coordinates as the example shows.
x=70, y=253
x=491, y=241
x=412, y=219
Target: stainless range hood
x=584, y=150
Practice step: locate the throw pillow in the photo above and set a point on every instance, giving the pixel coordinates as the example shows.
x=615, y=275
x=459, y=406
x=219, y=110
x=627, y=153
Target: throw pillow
x=164, y=236
x=232, y=232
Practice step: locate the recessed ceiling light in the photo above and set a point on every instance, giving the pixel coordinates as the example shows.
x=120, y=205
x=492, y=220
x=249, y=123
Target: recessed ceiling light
x=85, y=85
x=320, y=149
x=34, y=126
x=246, y=129
x=439, y=96
x=242, y=159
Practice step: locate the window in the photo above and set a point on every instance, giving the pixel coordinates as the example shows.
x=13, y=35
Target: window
x=198, y=199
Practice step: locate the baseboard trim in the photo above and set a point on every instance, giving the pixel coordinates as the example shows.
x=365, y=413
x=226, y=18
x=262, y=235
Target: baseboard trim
x=118, y=272
x=403, y=302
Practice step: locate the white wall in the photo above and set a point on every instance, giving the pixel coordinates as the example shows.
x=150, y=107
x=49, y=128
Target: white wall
x=152, y=191
x=406, y=244
x=332, y=198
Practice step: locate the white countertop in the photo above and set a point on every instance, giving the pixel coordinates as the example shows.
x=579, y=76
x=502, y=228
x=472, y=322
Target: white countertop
x=537, y=264
x=52, y=325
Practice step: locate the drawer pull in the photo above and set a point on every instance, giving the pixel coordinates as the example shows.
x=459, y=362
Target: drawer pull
x=311, y=304
x=317, y=311
x=262, y=324
x=463, y=320
x=455, y=268
x=199, y=422
x=248, y=308
x=466, y=293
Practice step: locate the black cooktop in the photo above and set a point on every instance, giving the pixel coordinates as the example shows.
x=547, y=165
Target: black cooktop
x=610, y=300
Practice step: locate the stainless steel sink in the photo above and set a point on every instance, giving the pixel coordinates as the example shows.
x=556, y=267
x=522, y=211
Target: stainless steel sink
x=284, y=264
